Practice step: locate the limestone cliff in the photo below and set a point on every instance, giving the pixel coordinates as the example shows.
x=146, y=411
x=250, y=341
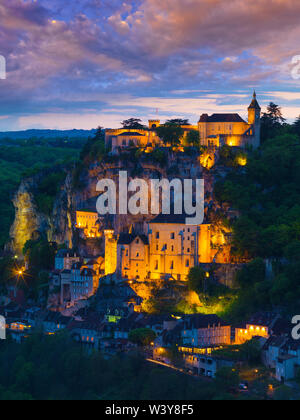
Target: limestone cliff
x=59, y=226
x=30, y=223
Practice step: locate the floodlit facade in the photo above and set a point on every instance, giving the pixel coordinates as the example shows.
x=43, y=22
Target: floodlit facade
x=215, y=131
x=230, y=129
x=87, y=222
x=168, y=249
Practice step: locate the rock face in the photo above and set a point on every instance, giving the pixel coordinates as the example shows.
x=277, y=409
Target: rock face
x=29, y=223
x=59, y=226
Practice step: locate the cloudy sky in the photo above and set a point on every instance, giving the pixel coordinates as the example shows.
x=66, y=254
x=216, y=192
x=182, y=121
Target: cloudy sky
x=84, y=63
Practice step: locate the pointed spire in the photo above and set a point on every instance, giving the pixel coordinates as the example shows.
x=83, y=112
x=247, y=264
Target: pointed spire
x=254, y=103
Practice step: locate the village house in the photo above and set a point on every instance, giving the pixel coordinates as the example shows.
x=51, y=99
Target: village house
x=19, y=330
x=259, y=325
x=195, y=337
x=116, y=300
x=287, y=362
x=55, y=322
x=205, y=331
x=205, y=364
x=87, y=332
x=65, y=258
x=81, y=281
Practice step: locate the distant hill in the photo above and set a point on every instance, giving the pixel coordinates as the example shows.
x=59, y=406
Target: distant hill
x=27, y=134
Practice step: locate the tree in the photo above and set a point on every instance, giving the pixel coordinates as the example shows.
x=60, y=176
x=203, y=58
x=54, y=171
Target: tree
x=296, y=126
x=275, y=114
x=99, y=135
x=193, y=138
x=283, y=393
x=227, y=378
x=196, y=280
x=133, y=123
x=178, y=121
x=170, y=133
x=271, y=121
x=40, y=254
x=254, y=272
x=251, y=351
x=142, y=336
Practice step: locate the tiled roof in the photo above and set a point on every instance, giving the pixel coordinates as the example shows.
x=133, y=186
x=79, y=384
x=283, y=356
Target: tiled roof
x=57, y=317
x=215, y=118
x=128, y=238
x=130, y=134
x=199, y=321
x=263, y=319
x=62, y=253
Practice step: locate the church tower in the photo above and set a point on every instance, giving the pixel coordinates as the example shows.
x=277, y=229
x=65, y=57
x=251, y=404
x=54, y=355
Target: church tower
x=110, y=252
x=254, y=112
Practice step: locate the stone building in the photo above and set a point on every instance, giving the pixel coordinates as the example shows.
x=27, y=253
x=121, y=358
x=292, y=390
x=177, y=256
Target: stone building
x=167, y=249
x=230, y=129
x=215, y=131
x=116, y=139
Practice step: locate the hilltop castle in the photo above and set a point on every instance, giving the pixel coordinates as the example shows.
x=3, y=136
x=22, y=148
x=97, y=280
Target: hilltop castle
x=214, y=131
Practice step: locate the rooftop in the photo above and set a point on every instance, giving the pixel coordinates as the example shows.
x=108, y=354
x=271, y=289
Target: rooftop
x=215, y=118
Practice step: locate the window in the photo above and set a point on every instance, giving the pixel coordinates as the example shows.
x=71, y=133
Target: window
x=156, y=265
x=172, y=235
x=172, y=265
x=172, y=248
x=137, y=255
x=137, y=241
x=157, y=235
x=187, y=263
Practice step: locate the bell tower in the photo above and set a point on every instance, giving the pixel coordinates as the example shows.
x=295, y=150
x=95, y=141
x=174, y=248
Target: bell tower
x=254, y=112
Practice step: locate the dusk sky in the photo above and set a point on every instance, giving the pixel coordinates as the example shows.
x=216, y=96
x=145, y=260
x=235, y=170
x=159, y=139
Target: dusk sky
x=84, y=63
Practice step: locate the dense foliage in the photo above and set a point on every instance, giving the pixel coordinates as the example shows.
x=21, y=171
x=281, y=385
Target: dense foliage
x=266, y=192
x=56, y=368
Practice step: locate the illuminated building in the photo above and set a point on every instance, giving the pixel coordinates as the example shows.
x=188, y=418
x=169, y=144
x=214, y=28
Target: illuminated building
x=147, y=138
x=215, y=131
x=87, y=221
x=205, y=331
x=260, y=325
x=169, y=249
x=230, y=129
